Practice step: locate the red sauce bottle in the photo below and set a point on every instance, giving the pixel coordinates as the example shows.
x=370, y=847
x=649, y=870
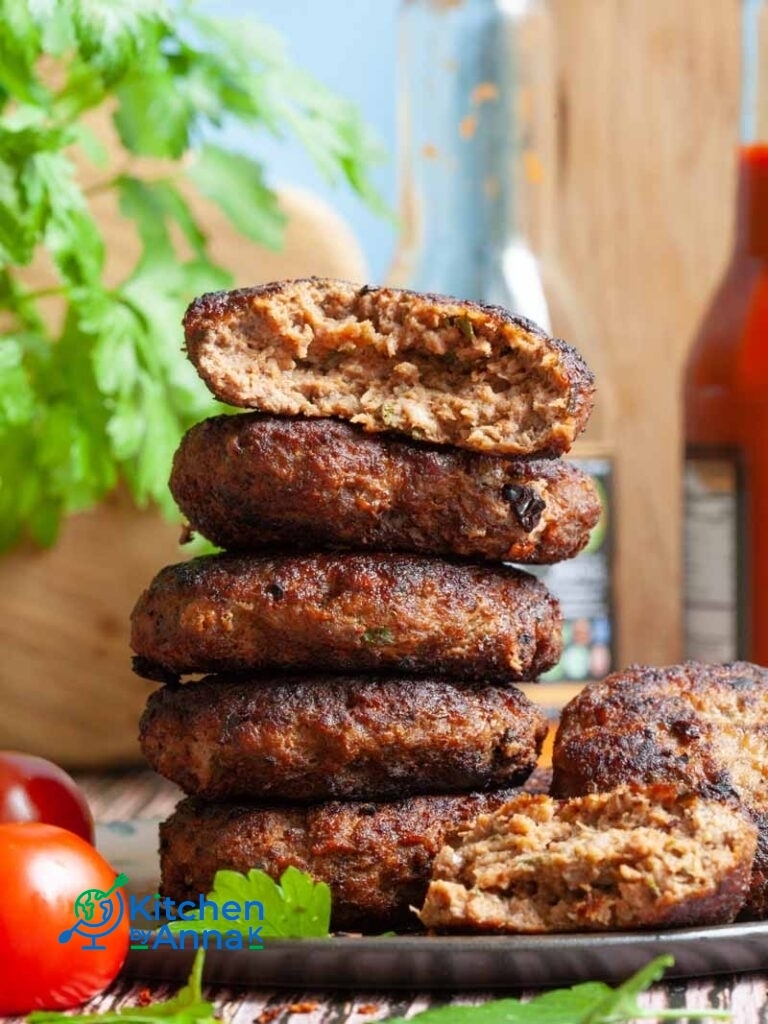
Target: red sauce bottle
x=726, y=419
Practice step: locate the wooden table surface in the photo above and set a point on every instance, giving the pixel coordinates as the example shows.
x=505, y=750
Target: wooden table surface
x=143, y=794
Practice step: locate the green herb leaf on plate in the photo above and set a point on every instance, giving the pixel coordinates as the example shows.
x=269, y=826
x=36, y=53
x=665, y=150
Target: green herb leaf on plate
x=295, y=908
x=592, y=1002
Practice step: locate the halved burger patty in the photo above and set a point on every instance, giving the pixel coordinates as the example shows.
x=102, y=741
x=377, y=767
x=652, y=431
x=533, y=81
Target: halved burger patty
x=321, y=738
x=376, y=857
x=429, y=366
x=345, y=613
x=631, y=858
x=253, y=481
x=699, y=727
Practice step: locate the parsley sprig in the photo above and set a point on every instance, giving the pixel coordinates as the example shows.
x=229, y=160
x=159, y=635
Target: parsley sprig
x=300, y=907
x=592, y=1002
x=296, y=907
x=93, y=385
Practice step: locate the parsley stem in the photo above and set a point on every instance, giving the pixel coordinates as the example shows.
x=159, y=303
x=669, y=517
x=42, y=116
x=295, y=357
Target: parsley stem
x=105, y=185
x=41, y=293
x=196, y=977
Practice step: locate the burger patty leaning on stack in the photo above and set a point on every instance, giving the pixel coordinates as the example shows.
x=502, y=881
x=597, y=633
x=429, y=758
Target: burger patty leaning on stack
x=362, y=627
x=700, y=728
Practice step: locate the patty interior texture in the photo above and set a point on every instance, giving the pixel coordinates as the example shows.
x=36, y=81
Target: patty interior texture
x=428, y=366
x=631, y=858
x=376, y=857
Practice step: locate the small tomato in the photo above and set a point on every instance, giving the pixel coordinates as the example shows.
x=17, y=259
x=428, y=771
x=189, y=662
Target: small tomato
x=46, y=962
x=33, y=789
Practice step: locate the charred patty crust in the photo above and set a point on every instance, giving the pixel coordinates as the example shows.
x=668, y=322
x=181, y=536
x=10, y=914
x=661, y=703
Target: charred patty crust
x=253, y=481
x=429, y=366
x=376, y=857
x=699, y=727
x=321, y=738
x=632, y=858
x=345, y=613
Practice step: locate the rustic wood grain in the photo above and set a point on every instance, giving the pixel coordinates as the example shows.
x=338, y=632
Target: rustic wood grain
x=745, y=995
x=66, y=686
x=646, y=159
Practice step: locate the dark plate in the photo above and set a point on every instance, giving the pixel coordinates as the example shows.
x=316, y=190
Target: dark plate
x=426, y=962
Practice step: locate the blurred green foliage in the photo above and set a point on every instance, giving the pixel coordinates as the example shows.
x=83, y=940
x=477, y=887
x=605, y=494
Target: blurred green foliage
x=106, y=395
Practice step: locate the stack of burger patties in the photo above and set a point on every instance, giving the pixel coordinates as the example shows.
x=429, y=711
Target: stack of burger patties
x=361, y=631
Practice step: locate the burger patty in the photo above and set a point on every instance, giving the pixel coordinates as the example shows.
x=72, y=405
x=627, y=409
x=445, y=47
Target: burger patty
x=428, y=366
x=321, y=738
x=376, y=857
x=253, y=481
x=345, y=613
x=631, y=858
x=699, y=727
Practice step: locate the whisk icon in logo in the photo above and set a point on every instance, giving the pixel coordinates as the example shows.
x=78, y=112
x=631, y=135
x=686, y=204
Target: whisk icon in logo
x=98, y=913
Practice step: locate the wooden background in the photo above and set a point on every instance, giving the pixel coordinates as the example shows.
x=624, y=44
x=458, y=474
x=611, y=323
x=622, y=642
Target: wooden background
x=644, y=192
x=649, y=103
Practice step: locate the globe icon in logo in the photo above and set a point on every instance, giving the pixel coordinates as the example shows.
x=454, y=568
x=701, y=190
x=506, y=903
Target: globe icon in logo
x=98, y=913
x=94, y=907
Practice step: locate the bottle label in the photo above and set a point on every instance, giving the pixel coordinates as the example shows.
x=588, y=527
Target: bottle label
x=583, y=586
x=713, y=536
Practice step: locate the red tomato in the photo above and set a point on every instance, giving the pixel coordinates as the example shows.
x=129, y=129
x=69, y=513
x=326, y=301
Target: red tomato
x=43, y=871
x=33, y=789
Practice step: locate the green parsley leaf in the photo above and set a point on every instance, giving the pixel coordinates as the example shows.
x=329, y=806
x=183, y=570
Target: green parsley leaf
x=20, y=46
x=388, y=414
x=259, y=82
x=154, y=118
x=187, y=1007
x=236, y=184
x=84, y=136
x=113, y=34
x=378, y=636
x=464, y=325
x=94, y=385
x=297, y=907
x=17, y=399
x=591, y=1002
